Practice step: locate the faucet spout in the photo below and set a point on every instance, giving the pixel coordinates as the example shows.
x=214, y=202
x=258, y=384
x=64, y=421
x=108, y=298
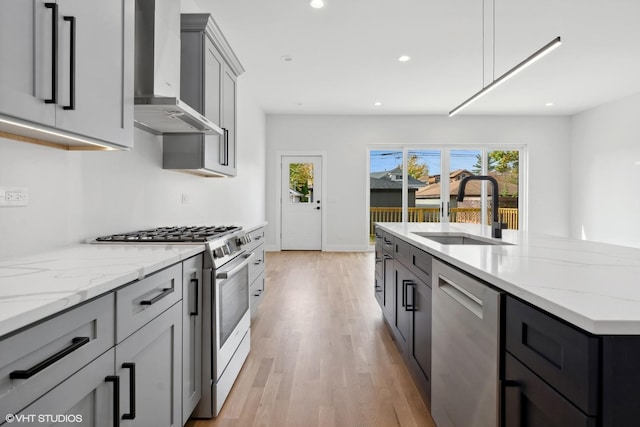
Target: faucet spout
x=496, y=225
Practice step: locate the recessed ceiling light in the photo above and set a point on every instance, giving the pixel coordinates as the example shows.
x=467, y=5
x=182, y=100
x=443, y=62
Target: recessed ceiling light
x=316, y=4
x=377, y=104
x=548, y=104
x=404, y=58
x=287, y=58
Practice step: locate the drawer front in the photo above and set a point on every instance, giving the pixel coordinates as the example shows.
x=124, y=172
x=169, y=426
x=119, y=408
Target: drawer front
x=257, y=238
x=415, y=259
x=141, y=301
x=256, y=267
x=61, y=346
x=256, y=293
x=387, y=242
x=563, y=356
x=530, y=402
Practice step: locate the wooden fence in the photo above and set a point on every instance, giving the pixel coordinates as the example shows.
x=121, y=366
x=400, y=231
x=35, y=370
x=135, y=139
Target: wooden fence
x=470, y=215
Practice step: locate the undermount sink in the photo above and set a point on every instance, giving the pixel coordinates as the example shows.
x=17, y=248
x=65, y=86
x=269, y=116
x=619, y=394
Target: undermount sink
x=460, y=239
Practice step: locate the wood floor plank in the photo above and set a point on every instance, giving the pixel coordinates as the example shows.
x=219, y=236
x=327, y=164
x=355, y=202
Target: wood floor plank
x=321, y=354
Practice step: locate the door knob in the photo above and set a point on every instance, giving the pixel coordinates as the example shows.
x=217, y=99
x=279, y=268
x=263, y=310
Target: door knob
x=318, y=208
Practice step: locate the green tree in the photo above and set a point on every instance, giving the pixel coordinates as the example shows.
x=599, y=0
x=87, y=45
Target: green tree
x=499, y=161
x=416, y=169
x=301, y=178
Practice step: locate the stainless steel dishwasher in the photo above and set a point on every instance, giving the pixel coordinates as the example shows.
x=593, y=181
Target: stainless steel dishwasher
x=465, y=345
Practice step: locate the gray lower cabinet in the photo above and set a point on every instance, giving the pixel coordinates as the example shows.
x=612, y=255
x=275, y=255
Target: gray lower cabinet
x=34, y=361
x=402, y=288
x=53, y=53
x=149, y=365
x=86, y=398
x=256, y=269
x=191, y=335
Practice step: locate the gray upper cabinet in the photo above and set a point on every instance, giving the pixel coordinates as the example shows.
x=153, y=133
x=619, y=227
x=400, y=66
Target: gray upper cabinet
x=67, y=72
x=208, y=73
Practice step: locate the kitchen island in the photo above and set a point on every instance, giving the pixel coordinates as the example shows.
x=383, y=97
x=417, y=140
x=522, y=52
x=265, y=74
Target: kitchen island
x=557, y=345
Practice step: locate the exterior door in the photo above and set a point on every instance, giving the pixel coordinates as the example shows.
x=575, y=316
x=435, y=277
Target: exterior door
x=301, y=210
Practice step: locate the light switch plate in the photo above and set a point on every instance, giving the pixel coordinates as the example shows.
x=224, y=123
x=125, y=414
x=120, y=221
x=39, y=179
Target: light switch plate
x=14, y=196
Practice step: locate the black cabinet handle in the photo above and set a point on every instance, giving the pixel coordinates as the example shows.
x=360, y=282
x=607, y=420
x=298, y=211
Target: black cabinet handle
x=225, y=148
x=258, y=238
x=72, y=64
x=54, y=53
x=76, y=343
x=387, y=257
x=378, y=260
x=116, y=398
x=132, y=391
x=258, y=262
x=412, y=306
x=165, y=292
x=195, y=311
x=404, y=293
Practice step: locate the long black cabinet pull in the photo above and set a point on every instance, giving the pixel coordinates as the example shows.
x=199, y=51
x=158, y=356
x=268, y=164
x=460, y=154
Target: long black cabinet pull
x=54, y=53
x=225, y=148
x=412, y=306
x=165, y=292
x=76, y=343
x=132, y=391
x=195, y=311
x=116, y=398
x=72, y=64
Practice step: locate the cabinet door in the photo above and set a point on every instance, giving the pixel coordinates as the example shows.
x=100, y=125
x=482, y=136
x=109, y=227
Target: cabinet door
x=531, y=402
x=26, y=55
x=229, y=120
x=402, y=315
x=214, y=65
x=191, y=335
x=388, y=286
x=152, y=359
x=419, y=302
x=86, y=398
x=96, y=94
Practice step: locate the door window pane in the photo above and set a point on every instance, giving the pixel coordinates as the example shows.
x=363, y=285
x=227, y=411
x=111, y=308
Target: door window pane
x=425, y=187
x=385, y=187
x=301, y=183
x=504, y=166
x=462, y=164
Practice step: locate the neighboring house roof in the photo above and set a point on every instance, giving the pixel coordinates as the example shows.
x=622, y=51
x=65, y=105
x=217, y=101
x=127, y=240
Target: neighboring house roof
x=388, y=184
x=392, y=183
x=472, y=189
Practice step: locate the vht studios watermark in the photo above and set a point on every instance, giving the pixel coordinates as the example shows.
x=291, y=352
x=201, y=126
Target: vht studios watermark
x=43, y=418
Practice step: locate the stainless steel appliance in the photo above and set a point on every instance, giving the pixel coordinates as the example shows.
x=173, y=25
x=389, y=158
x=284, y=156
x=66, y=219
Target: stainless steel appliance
x=226, y=316
x=465, y=343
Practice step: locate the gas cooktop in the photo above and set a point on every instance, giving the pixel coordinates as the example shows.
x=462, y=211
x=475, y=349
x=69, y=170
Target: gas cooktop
x=192, y=234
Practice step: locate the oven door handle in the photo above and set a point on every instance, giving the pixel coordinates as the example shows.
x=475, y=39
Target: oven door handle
x=235, y=270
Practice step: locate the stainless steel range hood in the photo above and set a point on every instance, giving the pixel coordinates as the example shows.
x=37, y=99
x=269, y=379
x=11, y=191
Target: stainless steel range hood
x=158, y=108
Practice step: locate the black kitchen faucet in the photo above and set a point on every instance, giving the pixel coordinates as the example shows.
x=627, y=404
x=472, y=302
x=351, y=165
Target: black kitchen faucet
x=496, y=225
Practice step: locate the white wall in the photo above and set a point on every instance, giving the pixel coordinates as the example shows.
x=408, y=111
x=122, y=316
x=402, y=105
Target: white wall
x=345, y=140
x=78, y=195
x=605, y=173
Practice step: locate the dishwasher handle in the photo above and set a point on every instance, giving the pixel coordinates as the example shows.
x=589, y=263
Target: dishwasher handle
x=462, y=296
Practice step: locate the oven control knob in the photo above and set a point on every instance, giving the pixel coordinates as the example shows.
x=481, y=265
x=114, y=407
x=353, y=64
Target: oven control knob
x=226, y=250
x=218, y=253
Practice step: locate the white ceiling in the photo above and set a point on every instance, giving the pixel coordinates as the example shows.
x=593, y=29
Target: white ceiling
x=345, y=55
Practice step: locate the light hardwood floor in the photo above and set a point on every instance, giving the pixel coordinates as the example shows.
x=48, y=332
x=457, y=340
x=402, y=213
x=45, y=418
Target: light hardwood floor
x=320, y=352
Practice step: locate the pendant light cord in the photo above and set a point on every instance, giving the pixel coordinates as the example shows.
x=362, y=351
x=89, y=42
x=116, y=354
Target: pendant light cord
x=494, y=42
x=483, y=44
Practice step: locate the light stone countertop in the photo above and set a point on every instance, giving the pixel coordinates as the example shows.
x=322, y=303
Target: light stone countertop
x=35, y=287
x=594, y=286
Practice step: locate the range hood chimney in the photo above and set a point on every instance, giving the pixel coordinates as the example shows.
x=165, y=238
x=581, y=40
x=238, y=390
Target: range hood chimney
x=158, y=108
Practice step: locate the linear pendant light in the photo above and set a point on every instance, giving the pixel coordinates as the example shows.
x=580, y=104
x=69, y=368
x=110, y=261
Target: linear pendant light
x=521, y=66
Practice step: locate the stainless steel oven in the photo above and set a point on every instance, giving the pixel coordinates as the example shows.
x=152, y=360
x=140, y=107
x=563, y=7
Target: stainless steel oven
x=226, y=325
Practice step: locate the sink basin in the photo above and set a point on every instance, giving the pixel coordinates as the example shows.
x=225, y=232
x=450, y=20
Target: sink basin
x=460, y=239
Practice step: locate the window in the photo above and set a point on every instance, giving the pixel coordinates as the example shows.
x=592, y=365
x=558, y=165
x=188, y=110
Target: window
x=422, y=184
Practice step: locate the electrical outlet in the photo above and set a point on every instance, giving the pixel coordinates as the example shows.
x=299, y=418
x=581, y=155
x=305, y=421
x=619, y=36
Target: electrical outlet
x=14, y=196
